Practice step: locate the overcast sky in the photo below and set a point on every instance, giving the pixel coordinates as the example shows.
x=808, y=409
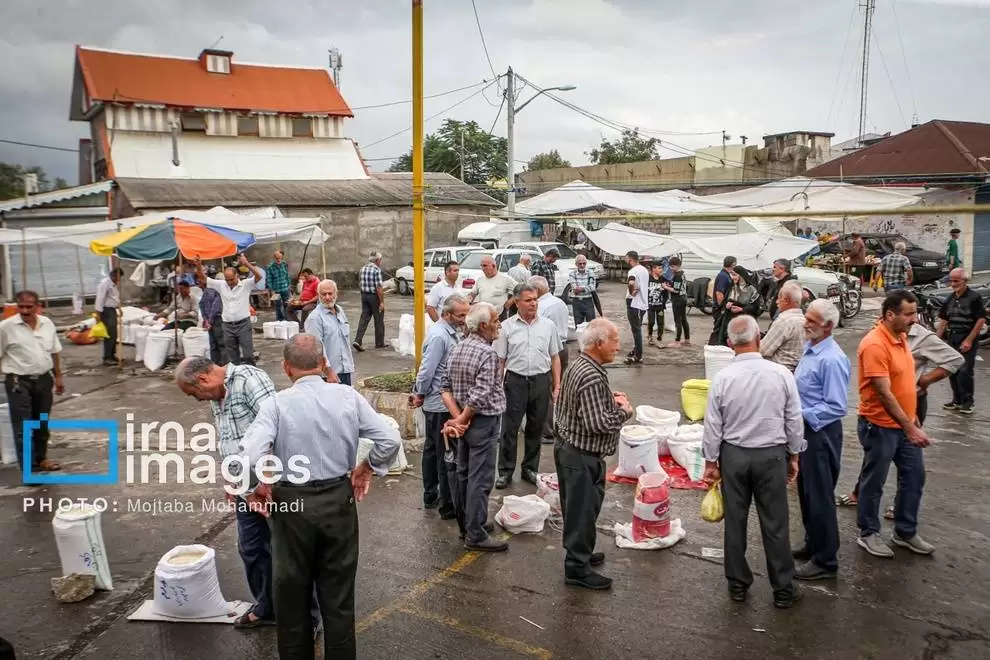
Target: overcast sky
x=748, y=67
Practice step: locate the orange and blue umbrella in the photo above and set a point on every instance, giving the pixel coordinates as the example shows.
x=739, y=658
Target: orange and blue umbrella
x=168, y=239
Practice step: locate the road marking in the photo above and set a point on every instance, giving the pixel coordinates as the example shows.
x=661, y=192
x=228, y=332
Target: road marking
x=479, y=633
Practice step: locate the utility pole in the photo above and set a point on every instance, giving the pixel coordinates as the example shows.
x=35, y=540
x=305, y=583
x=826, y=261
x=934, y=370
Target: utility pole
x=870, y=6
x=510, y=170
x=419, y=223
x=462, y=153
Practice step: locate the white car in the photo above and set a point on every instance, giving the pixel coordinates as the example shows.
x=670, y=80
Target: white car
x=435, y=260
x=565, y=263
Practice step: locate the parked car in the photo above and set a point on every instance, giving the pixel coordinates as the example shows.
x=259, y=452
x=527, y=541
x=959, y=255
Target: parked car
x=928, y=266
x=435, y=260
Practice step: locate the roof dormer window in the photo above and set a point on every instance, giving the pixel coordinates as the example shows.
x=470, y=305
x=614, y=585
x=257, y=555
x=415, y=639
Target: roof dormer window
x=216, y=61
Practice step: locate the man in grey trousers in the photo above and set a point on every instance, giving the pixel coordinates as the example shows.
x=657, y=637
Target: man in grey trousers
x=754, y=433
x=236, y=297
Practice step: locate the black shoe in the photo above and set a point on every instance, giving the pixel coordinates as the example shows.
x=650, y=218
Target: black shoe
x=592, y=580
x=357, y=347
x=503, y=482
x=547, y=440
x=966, y=409
x=738, y=593
x=783, y=600
x=802, y=554
x=432, y=504
x=488, y=527
x=597, y=558
x=809, y=571
x=448, y=514
x=529, y=475
x=488, y=545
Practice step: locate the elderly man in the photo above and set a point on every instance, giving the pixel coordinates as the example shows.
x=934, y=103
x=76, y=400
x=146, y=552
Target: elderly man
x=329, y=324
x=107, y=303
x=784, y=341
x=521, y=271
x=473, y=394
x=895, y=269
x=314, y=519
x=494, y=288
x=583, y=288
x=889, y=430
x=186, y=307
x=427, y=393
x=822, y=378
x=278, y=283
x=550, y=307
x=529, y=351
x=753, y=435
x=372, y=301
x=781, y=275
x=962, y=318
x=441, y=290
x=547, y=268
x=236, y=297
x=236, y=393
x=589, y=417
x=29, y=360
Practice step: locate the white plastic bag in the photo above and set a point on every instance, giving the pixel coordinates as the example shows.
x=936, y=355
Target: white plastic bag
x=663, y=421
x=405, y=344
x=548, y=490
x=159, y=344
x=668, y=319
x=186, y=584
x=398, y=464
x=8, y=451
x=196, y=342
x=522, y=514
x=140, y=334
x=624, y=537
x=716, y=359
x=79, y=537
x=637, y=451
x=685, y=448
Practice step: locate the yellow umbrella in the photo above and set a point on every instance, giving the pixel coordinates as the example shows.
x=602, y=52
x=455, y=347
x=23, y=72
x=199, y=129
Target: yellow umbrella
x=105, y=245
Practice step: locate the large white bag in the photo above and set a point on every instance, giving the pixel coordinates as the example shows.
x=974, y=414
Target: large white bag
x=405, y=344
x=196, y=342
x=79, y=537
x=8, y=450
x=685, y=448
x=664, y=421
x=716, y=359
x=668, y=319
x=140, y=341
x=398, y=464
x=186, y=584
x=548, y=490
x=638, y=452
x=522, y=514
x=158, y=345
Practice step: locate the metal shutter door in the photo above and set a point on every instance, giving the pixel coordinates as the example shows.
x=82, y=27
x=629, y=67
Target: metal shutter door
x=981, y=236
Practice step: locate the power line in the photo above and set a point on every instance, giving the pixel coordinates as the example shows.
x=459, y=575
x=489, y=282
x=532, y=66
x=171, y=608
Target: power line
x=838, y=74
x=907, y=71
x=484, y=44
x=431, y=96
x=886, y=69
x=39, y=146
x=497, y=115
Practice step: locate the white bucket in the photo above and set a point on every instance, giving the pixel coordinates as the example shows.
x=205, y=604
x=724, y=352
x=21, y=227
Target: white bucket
x=281, y=330
x=8, y=450
x=716, y=359
x=140, y=341
x=291, y=329
x=268, y=329
x=196, y=341
x=157, y=348
x=79, y=537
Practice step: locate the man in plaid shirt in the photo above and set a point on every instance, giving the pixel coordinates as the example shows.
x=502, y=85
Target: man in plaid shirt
x=277, y=274
x=896, y=269
x=546, y=268
x=372, y=301
x=473, y=393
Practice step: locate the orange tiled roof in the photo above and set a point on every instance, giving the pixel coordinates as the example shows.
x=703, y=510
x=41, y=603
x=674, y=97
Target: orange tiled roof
x=180, y=82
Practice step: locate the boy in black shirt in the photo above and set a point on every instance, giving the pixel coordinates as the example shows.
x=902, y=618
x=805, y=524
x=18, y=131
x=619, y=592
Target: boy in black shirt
x=657, y=299
x=677, y=289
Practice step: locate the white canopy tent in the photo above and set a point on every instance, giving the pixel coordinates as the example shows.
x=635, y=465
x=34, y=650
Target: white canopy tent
x=578, y=195
x=618, y=239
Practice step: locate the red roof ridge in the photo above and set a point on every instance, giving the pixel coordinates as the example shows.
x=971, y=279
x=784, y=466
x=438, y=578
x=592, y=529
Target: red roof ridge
x=129, y=53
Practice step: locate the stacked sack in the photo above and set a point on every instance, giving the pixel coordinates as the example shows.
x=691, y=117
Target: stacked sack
x=685, y=449
x=664, y=422
x=638, y=452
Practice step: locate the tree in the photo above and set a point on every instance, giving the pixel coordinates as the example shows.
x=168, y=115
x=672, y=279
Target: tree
x=630, y=148
x=549, y=160
x=484, y=155
x=12, y=180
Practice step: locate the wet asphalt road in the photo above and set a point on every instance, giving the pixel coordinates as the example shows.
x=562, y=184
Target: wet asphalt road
x=420, y=595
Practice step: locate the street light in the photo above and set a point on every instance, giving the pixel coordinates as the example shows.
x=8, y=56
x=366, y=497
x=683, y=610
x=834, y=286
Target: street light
x=510, y=98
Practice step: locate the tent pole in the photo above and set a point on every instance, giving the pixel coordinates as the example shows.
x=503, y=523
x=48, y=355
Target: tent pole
x=82, y=284
x=41, y=269
x=24, y=267
x=120, y=312
x=175, y=309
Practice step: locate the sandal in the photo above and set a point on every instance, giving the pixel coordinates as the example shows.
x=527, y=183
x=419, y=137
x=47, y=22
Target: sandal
x=49, y=466
x=889, y=513
x=846, y=500
x=245, y=621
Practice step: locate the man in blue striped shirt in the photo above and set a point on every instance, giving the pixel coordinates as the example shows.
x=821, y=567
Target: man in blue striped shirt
x=822, y=377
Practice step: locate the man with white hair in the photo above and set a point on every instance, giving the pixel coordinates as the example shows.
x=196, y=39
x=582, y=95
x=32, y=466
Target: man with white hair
x=961, y=320
x=753, y=435
x=583, y=289
x=896, y=269
x=822, y=378
x=553, y=308
x=372, y=301
x=329, y=323
x=520, y=272
x=494, y=288
x=784, y=341
x=474, y=396
x=589, y=418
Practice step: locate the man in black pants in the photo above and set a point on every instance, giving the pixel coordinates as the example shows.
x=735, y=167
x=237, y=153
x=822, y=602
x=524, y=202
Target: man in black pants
x=107, y=304
x=962, y=318
x=29, y=355
x=586, y=426
x=372, y=301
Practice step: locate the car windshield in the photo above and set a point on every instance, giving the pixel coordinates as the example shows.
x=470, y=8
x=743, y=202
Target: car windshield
x=463, y=253
x=565, y=252
x=473, y=260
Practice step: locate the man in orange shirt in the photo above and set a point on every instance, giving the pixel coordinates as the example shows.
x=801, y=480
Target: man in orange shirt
x=889, y=429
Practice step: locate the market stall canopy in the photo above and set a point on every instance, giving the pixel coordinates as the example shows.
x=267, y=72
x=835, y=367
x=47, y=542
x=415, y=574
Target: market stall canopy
x=617, y=239
x=580, y=196
x=166, y=240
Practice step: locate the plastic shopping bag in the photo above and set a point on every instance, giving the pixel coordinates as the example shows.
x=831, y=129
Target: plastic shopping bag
x=523, y=514
x=99, y=331
x=712, y=509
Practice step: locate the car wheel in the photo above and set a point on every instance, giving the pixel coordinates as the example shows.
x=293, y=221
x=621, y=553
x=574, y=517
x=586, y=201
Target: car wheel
x=984, y=338
x=566, y=295
x=402, y=287
x=854, y=303
x=701, y=300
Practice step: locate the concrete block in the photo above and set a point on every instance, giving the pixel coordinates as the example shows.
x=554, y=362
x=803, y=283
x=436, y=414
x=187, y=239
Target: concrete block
x=74, y=587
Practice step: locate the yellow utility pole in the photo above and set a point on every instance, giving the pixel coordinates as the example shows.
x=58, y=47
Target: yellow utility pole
x=419, y=222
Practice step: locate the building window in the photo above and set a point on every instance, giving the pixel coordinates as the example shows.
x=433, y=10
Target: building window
x=192, y=121
x=302, y=128
x=247, y=125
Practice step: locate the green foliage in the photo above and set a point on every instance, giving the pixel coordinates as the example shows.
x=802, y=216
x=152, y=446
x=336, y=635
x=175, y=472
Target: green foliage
x=12, y=180
x=547, y=161
x=630, y=148
x=484, y=155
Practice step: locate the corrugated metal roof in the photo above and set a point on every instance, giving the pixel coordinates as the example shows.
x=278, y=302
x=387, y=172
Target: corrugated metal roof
x=59, y=195
x=936, y=148
x=392, y=189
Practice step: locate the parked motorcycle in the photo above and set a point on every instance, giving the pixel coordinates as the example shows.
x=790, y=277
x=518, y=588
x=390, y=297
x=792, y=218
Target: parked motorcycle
x=931, y=298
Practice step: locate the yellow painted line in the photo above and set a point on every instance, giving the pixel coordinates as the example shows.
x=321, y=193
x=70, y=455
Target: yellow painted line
x=479, y=633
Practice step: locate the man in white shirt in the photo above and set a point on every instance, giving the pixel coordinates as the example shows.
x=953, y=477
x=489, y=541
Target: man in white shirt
x=637, y=303
x=107, y=303
x=236, y=296
x=553, y=308
x=494, y=288
x=442, y=290
x=520, y=272
x=29, y=354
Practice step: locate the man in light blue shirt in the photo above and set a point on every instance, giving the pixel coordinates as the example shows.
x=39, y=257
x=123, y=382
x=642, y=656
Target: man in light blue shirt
x=822, y=377
x=329, y=323
x=308, y=436
x=439, y=485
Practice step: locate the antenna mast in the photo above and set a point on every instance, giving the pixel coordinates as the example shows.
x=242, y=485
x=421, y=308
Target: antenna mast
x=870, y=6
x=336, y=64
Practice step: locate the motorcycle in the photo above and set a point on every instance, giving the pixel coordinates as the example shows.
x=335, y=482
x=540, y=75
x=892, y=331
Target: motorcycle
x=931, y=298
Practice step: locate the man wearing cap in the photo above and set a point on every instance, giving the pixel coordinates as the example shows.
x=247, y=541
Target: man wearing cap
x=546, y=268
x=952, y=258
x=185, y=309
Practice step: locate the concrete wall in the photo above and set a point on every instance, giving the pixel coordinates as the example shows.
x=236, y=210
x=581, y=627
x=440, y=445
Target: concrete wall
x=651, y=175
